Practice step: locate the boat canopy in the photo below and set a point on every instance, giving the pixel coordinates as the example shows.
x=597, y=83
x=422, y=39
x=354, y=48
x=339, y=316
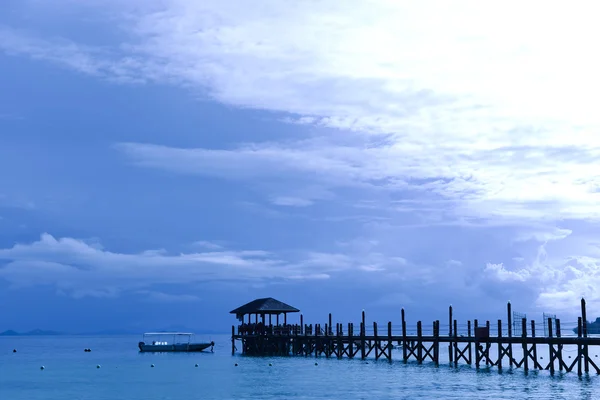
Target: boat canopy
x=168, y=333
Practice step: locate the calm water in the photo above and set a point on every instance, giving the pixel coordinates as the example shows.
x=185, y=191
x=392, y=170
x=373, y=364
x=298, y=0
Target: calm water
x=70, y=373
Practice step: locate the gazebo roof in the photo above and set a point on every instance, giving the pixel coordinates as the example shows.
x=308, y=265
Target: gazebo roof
x=268, y=305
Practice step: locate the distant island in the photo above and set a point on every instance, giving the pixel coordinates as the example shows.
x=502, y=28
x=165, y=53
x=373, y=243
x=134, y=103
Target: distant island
x=592, y=327
x=35, y=332
x=108, y=332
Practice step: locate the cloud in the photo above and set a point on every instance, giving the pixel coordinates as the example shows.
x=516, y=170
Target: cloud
x=419, y=120
x=208, y=245
x=81, y=268
x=161, y=297
x=498, y=123
x=77, y=268
x=543, y=236
x=291, y=201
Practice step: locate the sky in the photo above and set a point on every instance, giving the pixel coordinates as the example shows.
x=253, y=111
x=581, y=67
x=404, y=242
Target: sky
x=164, y=162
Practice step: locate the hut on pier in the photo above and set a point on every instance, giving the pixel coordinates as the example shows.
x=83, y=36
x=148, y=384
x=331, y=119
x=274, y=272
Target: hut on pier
x=263, y=307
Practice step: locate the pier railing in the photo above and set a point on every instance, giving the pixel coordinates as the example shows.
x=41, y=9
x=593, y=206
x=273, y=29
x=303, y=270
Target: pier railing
x=515, y=342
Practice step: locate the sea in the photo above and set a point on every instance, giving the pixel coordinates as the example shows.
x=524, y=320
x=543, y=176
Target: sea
x=115, y=369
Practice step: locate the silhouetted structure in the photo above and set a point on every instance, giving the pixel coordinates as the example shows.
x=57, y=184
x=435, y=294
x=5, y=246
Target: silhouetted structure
x=308, y=339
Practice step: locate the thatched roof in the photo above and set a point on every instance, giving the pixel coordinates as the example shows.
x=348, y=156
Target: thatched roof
x=267, y=305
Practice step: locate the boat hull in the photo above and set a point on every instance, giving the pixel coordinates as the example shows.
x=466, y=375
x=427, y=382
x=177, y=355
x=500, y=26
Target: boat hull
x=174, y=348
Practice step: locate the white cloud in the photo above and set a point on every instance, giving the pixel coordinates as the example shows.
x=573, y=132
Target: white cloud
x=460, y=117
x=543, y=235
x=501, y=121
x=502, y=274
x=207, y=245
x=291, y=201
x=154, y=296
x=77, y=268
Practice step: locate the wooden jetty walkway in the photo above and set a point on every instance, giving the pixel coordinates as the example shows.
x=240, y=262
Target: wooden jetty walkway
x=477, y=345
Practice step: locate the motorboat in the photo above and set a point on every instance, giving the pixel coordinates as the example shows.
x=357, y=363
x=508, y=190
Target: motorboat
x=157, y=342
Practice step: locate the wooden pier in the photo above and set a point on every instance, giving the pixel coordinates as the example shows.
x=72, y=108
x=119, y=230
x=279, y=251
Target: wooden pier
x=477, y=345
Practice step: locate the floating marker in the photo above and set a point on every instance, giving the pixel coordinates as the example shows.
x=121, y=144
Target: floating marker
x=270, y=365
x=196, y=365
x=236, y=364
x=151, y=365
x=98, y=366
x=42, y=367
x=316, y=363
x=14, y=350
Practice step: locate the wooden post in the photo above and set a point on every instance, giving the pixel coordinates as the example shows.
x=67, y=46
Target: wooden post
x=419, y=343
x=470, y=354
x=350, y=340
x=301, y=323
x=455, y=343
x=232, y=339
x=330, y=323
x=477, y=345
x=390, y=344
x=584, y=330
x=535, y=358
x=487, y=345
x=363, y=328
x=500, y=348
x=436, y=342
x=340, y=344
x=510, y=353
x=560, y=346
x=404, y=342
x=524, y=336
x=450, y=334
x=579, y=347
x=551, y=346
x=376, y=340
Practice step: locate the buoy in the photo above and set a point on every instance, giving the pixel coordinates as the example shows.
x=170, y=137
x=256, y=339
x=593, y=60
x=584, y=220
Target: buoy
x=42, y=367
x=98, y=366
x=151, y=365
x=270, y=365
x=316, y=363
x=14, y=350
x=196, y=365
x=236, y=364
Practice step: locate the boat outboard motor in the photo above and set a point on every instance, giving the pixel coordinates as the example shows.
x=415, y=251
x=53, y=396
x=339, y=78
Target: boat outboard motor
x=140, y=344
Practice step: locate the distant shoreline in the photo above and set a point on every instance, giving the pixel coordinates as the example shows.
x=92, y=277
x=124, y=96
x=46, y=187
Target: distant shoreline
x=40, y=332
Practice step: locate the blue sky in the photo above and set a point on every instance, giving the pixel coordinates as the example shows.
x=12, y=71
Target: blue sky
x=165, y=162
